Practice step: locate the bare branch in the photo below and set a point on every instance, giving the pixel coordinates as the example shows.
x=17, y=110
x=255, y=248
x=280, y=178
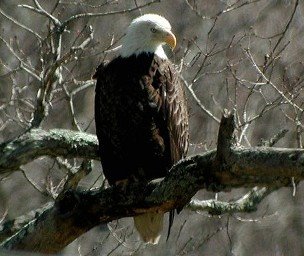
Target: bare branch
x=229, y=8
x=100, y=14
x=74, y=50
x=287, y=25
x=41, y=11
x=82, y=86
x=199, y=103
x=270, y=82
x=20, y=24
x=35, y=186
x=23, y=65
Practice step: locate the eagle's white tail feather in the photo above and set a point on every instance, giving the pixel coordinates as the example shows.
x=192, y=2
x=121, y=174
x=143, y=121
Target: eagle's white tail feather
x=149, y=226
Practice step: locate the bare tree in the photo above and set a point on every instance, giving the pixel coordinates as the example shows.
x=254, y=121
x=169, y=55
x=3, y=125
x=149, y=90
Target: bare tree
x=244, y=56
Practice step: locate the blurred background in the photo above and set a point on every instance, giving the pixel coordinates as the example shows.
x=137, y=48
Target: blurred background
x=242, y=55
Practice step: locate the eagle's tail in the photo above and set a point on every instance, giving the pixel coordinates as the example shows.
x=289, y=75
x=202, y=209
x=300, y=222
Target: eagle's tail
x=149, y=226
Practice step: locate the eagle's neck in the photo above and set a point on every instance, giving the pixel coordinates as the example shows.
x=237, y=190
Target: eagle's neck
x=130, y=48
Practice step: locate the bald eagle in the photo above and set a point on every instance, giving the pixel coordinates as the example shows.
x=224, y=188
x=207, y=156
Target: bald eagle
x=140, y=112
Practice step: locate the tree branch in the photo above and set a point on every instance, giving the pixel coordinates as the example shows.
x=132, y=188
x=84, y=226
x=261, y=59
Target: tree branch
x=246, y=203
x=37, y=143
x=75, y=212
x=88, y=14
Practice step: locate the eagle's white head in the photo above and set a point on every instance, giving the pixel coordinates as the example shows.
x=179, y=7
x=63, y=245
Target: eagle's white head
x=147, y=33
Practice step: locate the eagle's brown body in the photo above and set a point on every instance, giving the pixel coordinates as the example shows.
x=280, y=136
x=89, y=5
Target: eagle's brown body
x=141, y=117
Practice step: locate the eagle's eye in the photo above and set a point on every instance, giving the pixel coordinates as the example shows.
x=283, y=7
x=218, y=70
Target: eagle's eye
x=153, y=30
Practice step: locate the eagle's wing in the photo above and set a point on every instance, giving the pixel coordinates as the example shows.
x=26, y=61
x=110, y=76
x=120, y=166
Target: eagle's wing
x=167, y=97
x=176, y=114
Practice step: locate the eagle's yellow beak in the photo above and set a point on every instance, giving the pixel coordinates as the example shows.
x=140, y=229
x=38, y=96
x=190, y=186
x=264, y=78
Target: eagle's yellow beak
x=170, y=39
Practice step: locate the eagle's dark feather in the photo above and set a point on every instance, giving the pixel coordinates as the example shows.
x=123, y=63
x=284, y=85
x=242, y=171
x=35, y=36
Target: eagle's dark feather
x=141, y=124
x=141, y=117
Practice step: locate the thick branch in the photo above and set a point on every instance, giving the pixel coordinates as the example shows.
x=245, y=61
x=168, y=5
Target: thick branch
x=79, y=211
x=37, y=143
x=75, y=212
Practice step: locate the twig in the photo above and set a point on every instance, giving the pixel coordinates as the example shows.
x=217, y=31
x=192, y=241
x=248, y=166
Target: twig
x=287, y=26
x=35, y=186
x=20, y=24
x=89, y=14
x=23, y=65
x=270, y=82
x=199, y=103
x=41, y=11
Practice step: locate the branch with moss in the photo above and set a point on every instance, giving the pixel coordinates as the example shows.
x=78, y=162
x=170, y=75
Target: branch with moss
x=247, y=203
x=37, y=143
x=75, y=212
